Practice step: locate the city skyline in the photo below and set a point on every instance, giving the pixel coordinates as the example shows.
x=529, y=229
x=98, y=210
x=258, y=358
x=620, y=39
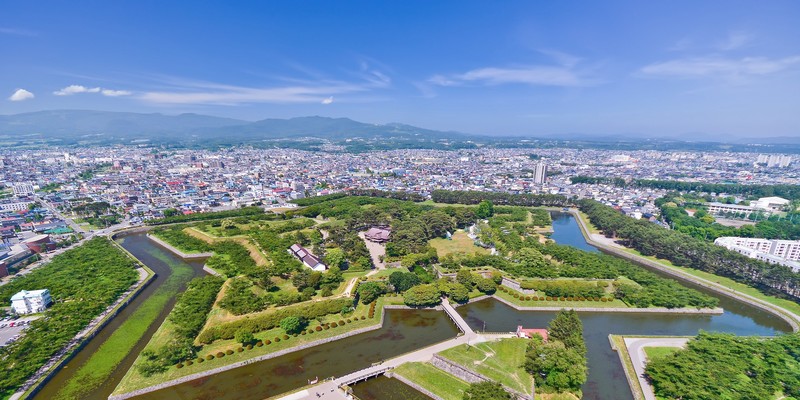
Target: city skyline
x=713, y=70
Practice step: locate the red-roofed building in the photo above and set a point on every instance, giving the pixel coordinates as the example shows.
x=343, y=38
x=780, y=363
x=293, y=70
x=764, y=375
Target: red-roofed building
x=528, y=333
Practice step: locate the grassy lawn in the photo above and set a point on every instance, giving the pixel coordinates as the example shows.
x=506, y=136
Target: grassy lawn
x=460, y=244
x=256, y=254
x=726, y=282
x=384, y=273
x=433, y=379
x=589, y=225
x=102, y=363
x=133, y=380
x=616, y=303
x=500, y=361
x=658, y=352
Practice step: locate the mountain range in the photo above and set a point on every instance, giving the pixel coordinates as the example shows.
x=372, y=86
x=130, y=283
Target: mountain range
x=86, y=127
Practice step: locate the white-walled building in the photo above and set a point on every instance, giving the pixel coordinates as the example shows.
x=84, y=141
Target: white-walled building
x=783, y=252
x=29, y=302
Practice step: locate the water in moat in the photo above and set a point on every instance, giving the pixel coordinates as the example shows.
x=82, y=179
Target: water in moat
x=407, y=330
x=162, y=263
x=606, y=380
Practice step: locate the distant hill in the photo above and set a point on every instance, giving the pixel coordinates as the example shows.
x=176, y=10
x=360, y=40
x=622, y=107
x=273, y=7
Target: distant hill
x=79, y=125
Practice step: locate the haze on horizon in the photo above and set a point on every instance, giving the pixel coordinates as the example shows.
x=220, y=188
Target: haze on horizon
x=683, y=69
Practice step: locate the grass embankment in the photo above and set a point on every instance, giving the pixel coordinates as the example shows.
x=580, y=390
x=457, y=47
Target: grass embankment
x=588, y=224
x=246, y=242
x=133, y=380
x=725, y=282
x=500, y=361
x=658, y=352
x=460, y=243
x=613, y=303
x=436, y=381
x=102, y=363
x=618, y=342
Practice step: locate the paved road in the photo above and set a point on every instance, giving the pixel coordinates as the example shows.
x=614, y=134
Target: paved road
x=636, y=350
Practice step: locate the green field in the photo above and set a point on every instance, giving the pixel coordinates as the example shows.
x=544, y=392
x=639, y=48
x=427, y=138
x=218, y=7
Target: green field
x=102, y=363
x=436, y=381
x=460, y=244
x=500, y=361
x=658, y=352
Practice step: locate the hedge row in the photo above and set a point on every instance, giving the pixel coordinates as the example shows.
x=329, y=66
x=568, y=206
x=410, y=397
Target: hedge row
x=520, y=296
x=271, y=320
x=268, y=342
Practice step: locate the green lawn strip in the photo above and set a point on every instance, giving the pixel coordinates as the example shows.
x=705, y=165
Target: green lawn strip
x=103, y=362
x=726, y=282
x=658, y=352
x=616, y=303
x=592, y=229
x=436, y=381
x=625, y=357
x=188, y=250
x=386, y=272
x=460, y=243
x=133, y=380
x=500, y=361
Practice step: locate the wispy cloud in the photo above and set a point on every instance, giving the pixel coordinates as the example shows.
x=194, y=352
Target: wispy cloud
x=719, y=67
x=76, y=89
x=736, y=40
x=181, y=91
x=21, y=95
x=564, y=73
x=531, y=75
x=18, y=32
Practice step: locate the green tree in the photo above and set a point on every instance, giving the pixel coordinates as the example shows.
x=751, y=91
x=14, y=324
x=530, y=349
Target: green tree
x=487, y=390
x=567, y=328
x=335, y=258
x=422, y=295
x=370, y=291
x=402, y=281
x=485, y=209
x=293, y=324
x=464, y=277
x=245, y=337
x=170, y=212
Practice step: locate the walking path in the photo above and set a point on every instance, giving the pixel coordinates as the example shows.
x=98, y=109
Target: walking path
x=329, y=389
x=376, y=251
x=639, y=358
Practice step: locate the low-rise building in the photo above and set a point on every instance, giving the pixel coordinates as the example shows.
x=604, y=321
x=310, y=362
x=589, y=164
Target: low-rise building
x=307, y=258
x=29, y=302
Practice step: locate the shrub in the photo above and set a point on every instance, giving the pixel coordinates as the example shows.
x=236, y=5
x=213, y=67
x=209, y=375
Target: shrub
x=277, y=339
x=267, y=342
x=285, y=337
x=220, y=354
x=178, y=365
x=189, y=362
x=200, y=360
x=549, y=298
x=363, y=317
x=249, y=347
x=563, y=299
x=341, y=322
x=228, y=352
x=527, y=298
x=603, y=299
x=319, y=328
x=210, y=357
x=334, y=325
x=541, y=298
x=240, y=349
x=349, y=320
x=326, y=327
x=302, y=333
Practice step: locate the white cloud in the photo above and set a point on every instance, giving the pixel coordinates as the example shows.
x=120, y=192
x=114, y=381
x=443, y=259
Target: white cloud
x=537, y=75
x=719, y=67
x=115, y=93
x=75, y=89
x=328, y=100
x=736, y=40
x=21, y=95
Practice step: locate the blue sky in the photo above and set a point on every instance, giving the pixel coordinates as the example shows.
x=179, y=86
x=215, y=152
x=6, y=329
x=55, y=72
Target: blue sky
x=685, y=69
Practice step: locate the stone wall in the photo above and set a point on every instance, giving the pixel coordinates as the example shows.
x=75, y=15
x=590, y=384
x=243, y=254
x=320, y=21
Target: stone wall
x=515, y=285
x=468, y=375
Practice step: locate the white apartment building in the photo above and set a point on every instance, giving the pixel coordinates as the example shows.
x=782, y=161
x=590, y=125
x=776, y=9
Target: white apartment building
x=783, y=252
x=22, y=189
x=767, y=204
x=29, y=302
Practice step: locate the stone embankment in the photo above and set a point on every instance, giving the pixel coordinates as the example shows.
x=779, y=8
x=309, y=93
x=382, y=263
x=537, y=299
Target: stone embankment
x=792, y=319
x=468, y=375
x=228, y=367
x=178, y=252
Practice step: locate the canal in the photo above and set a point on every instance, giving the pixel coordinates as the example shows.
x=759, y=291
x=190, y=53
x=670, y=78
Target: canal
x=408, y=330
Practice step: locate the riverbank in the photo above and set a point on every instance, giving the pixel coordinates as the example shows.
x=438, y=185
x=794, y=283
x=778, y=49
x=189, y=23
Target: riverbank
x=557, y=305
x=46, y=372
x=245, y=359
x=179, y=253
x=791, y=318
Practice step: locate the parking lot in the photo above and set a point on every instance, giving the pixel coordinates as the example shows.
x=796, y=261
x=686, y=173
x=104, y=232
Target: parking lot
x=8, y=332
